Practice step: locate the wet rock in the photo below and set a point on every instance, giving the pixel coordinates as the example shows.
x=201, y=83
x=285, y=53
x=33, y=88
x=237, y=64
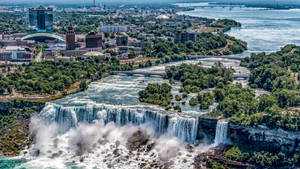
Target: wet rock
x=55, y=142
x=116, y=152
x=123, y=158
x=150, y=146
x=169, y=163
x=189, y=148
x=55, y=155
x=137, y=140
x=102, y=141
x=142, y=165
x=117, y=143
x=35, y=152
x=94, y=146
x=81, y=159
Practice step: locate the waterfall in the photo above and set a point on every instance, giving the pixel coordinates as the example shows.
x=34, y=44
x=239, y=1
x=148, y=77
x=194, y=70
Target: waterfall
x=185, y=129
x=221, y=132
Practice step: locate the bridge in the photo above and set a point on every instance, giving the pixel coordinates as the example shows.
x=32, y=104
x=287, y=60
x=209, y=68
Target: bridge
x=131, y=73
x=236, y=76
x=222, y=57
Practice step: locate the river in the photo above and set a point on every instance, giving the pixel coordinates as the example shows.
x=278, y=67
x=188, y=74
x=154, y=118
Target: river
x=97, y=122
x=263, y=29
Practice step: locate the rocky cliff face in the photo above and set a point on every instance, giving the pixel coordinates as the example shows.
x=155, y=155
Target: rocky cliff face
x=264, y=138
x=207, y=128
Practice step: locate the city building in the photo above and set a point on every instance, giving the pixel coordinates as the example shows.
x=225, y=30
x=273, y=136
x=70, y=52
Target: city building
x=183, y=37
x=70, y=39
x=124, y=49
x=17, y=42
x=41, y=19
x=122, y=40
x=15, y=54
x=113, y=28
x=93, y=40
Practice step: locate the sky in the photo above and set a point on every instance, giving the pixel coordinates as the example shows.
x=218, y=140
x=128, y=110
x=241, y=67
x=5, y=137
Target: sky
x=104, y=1
x=252, y=2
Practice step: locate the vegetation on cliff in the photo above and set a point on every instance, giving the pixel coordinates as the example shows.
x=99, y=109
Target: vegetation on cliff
x=224, y=24
x=14, y=125
x=195, y=78
x=241, y=107
x=159, y=94
x=204, y=99
x=262, y=158
x=49, y=77
x=234, y=100
x=275, y=71
x=243, y=157
x=207, y=44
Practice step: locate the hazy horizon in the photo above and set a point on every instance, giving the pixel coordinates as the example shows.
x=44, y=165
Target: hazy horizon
x=264, y=3
x=149, y=1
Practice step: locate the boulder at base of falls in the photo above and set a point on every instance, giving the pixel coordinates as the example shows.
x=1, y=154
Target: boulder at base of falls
x=136, y=140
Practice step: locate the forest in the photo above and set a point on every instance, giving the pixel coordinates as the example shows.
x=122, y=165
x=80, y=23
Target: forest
x=159, y=94
x=50, y=77
x=195, y=78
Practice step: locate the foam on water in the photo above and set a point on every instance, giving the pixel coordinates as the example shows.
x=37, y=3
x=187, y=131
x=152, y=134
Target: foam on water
x=102, y=146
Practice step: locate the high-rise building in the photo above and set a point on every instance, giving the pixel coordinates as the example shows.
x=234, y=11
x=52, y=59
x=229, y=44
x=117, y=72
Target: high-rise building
x=41, y=19
x=122, y=40
x=183, y=37
x=94, y=3
x=93, y=40
x=70, y=39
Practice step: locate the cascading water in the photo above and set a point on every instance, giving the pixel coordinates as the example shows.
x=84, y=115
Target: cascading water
x=221, y=133
x=184, y=129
